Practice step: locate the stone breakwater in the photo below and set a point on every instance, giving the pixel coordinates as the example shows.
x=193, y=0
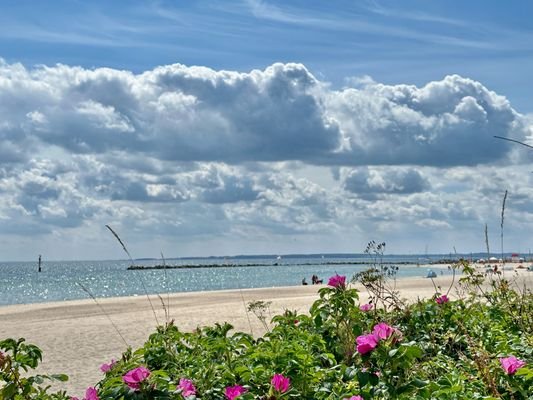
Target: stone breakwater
x=182, y=266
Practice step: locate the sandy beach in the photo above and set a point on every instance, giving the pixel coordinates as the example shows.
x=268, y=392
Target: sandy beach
x=77, y=337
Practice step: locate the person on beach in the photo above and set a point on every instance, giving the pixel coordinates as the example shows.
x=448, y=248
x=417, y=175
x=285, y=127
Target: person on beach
x=304, y=282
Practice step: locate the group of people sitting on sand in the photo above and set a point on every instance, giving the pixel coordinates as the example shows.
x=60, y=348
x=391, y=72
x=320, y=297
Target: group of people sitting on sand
x=489, y=269
x=314, y=280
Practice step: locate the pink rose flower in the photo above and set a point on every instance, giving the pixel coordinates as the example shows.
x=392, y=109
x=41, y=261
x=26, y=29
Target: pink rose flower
x=108, y=367
x=366, y=343
x=511, y=364
x=442, y=299
x=91, y=394
x=187, y=387
x=383, y=331
x=134, y=377
x=280, y=383
x=365, y=307
x=232, y=392
x=337, y=281
x=355, y=398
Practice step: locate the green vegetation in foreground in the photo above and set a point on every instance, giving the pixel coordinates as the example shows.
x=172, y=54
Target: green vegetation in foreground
x=477, y=347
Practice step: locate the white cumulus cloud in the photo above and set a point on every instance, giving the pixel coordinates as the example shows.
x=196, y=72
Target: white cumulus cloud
x=210, y=156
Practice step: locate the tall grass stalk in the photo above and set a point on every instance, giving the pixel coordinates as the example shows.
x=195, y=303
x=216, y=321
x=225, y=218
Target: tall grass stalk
x=164, y=307
x=86, y=290
x=166, y=286
x=140, y=275
x=501, y=225
x=515, y=141
x=487, y=240
x=245, y=307
x=454, y=267
x=246, y=311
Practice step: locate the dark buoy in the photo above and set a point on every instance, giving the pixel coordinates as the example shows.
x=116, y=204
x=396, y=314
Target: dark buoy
x=39, y=263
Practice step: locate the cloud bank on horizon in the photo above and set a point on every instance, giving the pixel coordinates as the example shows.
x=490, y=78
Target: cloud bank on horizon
x=202, y=161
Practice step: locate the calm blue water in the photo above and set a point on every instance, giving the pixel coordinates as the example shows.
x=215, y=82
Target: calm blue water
x=21, y=283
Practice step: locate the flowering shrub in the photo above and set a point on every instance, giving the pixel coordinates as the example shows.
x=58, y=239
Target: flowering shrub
x=383, y=331
x=135, y=377
x=471, y=348
x=16, y=359
x=337, y=281
x=186, y=387
x=233, y=392
x=90, y=394
x=511, y=364
x=442, y=299
x=105, y=368
x=280, y=385
x=367, y=343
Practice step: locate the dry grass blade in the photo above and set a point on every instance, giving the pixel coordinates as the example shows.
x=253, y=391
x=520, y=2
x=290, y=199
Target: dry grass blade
x=514, y=140
x=246, y=311
x=503, y=215
x=121, y=243
x=487, y=240
x=86, y=290
x=164, y=307
x=166, y=286
x=454, y=267
x=140, y=276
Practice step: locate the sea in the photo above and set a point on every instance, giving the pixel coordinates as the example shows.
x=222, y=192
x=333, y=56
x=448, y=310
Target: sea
x=21, y=283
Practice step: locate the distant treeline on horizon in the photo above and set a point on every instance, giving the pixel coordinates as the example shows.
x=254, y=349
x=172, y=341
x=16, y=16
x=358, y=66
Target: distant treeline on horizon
x=435, y=256
x=414, y=258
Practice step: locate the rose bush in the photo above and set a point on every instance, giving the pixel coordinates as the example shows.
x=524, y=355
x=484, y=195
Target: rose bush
x=474, y=347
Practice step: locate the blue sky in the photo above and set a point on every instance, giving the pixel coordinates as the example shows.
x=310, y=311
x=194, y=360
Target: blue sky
x=262, y=126
x=392, y=41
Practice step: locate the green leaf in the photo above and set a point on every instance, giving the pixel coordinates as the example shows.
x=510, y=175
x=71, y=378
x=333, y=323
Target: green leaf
x=413, y=351
x=8, y=392
x=59, y=377
x=350, y=373
x=525, y=372
x=419, y=383
x=363, y=378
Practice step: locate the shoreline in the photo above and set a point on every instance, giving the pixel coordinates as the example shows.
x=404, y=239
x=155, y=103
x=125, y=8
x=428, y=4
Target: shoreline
x=422, y=267
x=76, y=337
x=29, y=287
x=135, y=267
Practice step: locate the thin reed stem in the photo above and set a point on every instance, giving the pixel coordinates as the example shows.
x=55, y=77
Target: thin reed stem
x=140, y=276
x=515, y=141
x=245, y=307
x=86, y=290
x=166, y=285
x=454, y=266
x=503, y=215
x=246, y=311
x=164, y=306
x=487, y=240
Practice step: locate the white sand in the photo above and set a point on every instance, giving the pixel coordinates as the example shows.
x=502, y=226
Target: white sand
x=76, y=337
